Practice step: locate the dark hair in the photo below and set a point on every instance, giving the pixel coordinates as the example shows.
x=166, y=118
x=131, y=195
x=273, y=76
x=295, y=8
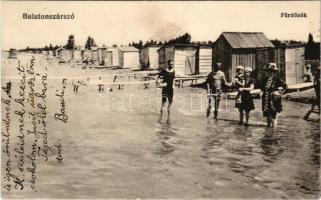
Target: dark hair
x=217, y=66
x=169, y=64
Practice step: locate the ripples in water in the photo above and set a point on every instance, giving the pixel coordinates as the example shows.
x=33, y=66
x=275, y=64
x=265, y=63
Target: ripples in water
x=164, y=133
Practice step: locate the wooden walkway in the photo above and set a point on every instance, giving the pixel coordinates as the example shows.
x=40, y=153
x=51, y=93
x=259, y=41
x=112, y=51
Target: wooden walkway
x=192, y=78
x=291, y=88
x=255, y=92
x=300, y=87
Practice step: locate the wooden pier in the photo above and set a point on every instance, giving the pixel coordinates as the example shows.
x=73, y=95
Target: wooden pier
x=255, y=93
x=192, y=79
x=300, y=87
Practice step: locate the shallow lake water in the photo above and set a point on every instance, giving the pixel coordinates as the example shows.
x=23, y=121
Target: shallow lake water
x=115, y=147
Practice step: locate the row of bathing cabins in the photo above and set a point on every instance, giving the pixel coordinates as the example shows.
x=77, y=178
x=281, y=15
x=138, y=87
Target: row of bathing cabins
x=251, y=49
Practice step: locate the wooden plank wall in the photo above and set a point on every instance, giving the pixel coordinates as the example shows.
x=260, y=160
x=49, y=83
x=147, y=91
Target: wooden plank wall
x=184, y=61
x=161, y=58
x=222, y=53
x=94, y=55
x=244, y=57
x=300, y=64
x=66, y=55
x=78, y=55
x=115, y=56
x=263, y=56
x=120, y=59
x=279, y=60
x=153, y=57
x=88, y=54
x=130, y=60
x=105, y=56
x=291, y=63
x=205, y=60
x=109, y=58
x=169, y=55
x=144, y=59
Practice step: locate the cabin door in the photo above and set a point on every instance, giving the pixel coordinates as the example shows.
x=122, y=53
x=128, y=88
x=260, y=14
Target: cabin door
x=190, y=65
x=109, y=58
x=261, y=59
x=290, y=66
x=299, y=65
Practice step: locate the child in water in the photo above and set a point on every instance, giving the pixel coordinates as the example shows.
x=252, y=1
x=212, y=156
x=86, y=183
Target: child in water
x=239, y=82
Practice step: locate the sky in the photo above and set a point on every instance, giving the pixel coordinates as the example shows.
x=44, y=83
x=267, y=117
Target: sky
x=123, y=22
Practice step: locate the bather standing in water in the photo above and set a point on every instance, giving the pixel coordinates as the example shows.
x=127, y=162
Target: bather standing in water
x=273, y=87
x=316, y=85
x=167, y=76
x=316, y=101
x=246, y=104
x=239, y=82
x=215, y=81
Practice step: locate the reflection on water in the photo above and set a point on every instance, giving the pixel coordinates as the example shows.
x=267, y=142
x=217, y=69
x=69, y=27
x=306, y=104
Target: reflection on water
x=315, y=146
x=274, y=158
x=164, y=132
x=272, y=145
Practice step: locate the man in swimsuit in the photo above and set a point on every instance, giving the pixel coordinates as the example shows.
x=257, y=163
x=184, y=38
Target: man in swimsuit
x=167, y=76
x=215, y=81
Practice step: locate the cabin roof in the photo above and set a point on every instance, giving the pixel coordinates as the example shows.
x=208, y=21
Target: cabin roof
x=152, y=46
x=285, y=44
x=245, y=40
x=178, y=45
x=128, y=49
x=112, y=48
x=207, y=46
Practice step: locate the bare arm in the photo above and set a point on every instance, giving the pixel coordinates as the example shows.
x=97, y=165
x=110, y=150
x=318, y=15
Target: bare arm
x=208, y=88
x=158, y=79
x=225, y=82
x=248, y=89
x=208, y=83
x=285, y=87
x=159, y=76
x=240, y=82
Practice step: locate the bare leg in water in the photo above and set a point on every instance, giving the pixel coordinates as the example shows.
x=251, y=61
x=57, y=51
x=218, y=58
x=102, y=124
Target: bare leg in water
x=247, y=117
x=169, y=112
x=164, y=99
x=217, y=104
x=241, y=117
x=268, y=120
x=208, y=111
x=161, y=112
x=274, y=122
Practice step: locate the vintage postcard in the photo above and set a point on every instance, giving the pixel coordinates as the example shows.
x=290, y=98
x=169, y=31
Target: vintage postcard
x=160, y=99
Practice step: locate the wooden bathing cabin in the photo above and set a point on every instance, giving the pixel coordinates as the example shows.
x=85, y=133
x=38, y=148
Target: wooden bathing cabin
x=252, y=49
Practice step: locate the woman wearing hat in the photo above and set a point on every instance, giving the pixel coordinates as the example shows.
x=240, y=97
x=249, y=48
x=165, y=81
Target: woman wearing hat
x=272, y=88
x=246, y=104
